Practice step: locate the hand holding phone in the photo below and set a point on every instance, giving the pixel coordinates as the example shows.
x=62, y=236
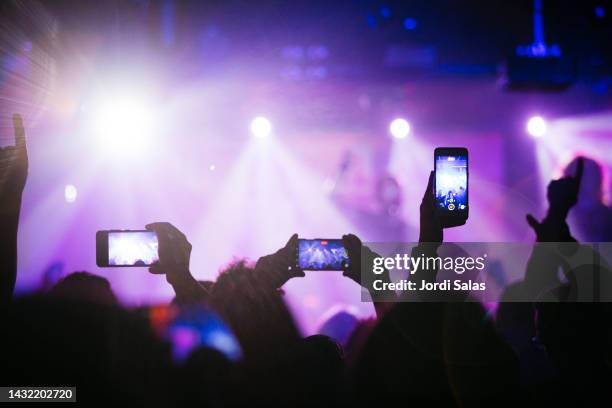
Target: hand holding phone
x=280, y=266
x=451, y=185
x=174, y=253
x=161, y=247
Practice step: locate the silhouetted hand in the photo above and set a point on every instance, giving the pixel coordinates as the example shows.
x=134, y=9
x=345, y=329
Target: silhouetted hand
x=562, y=195
x=431, y=227
x=357, y=254
x=13, y=167
x=360, y=256
x=174, y=252
x=280, y=266
x=550, y=229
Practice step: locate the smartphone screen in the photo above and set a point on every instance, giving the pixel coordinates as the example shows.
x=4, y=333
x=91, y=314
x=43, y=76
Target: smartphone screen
x=322, y=255
x=126, y=248
x=451, y=182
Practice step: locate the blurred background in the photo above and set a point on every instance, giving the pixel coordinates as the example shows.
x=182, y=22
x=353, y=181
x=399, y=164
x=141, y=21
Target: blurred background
x=242, y=122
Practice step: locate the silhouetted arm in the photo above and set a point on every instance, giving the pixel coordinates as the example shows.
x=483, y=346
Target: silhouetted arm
x=274, y=270
x=9, y=220
x=174, y=254
x=431, y=233
x=13, y=175
x=360, y=256
x=544, y=262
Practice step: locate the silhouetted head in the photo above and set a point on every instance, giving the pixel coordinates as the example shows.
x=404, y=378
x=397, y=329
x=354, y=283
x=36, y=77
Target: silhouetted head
x=86, y=287
x=323, y=354
x=208, y=378
x=255, y=312
x=267, y=334
x=322, y=369
x=591, y=186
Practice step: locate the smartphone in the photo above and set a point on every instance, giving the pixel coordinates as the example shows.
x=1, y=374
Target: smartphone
x=451, y=185
x=321, y=255
x=126, y=248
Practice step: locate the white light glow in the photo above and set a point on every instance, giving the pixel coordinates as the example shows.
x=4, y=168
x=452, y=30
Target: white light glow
x=123, y=124
x=536, y=126
x=261, y=127
x=70, y=193
x=399, y=128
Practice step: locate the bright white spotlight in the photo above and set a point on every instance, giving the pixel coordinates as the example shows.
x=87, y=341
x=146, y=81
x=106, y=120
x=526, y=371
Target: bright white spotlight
x=70, y=193
x=261, y=127
x=399, y=128
x=123, y=124
x=536, y=126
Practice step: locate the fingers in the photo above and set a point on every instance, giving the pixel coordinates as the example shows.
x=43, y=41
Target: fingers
x=291, y=255
x=154, y=226
x=165, y=229
x=288, y=254
x=159, y=226
x=20, y=141
x=292, y=243
x=155, y=269
x=429, y=190
x=351, y=242
x=533, y=223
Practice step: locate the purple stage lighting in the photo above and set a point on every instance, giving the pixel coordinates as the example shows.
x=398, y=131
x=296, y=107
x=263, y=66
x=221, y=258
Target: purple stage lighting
x=536, y=126
x=261, y=127
x=399, y=128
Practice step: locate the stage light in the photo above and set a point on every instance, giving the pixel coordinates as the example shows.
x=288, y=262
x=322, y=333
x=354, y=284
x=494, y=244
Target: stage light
x=123, y=124
x=536, y=126
x=399, y=128
x=70, y=193
x=410, y=24
x=261, y=127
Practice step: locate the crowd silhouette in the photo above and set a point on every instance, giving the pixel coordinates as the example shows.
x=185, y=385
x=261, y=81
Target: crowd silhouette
x=414, y=353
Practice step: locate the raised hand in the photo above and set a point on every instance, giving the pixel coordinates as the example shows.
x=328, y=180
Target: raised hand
x=431, y=227
x=562, y=195
x=550, y=229
x=13, y=168
x=174, y=251
x=360, y=256
x=279, y=267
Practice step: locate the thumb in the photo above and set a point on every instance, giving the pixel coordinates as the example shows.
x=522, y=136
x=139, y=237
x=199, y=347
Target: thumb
x=427, y=196
x=292, y=241
x=533, y=223
x=156, y=269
